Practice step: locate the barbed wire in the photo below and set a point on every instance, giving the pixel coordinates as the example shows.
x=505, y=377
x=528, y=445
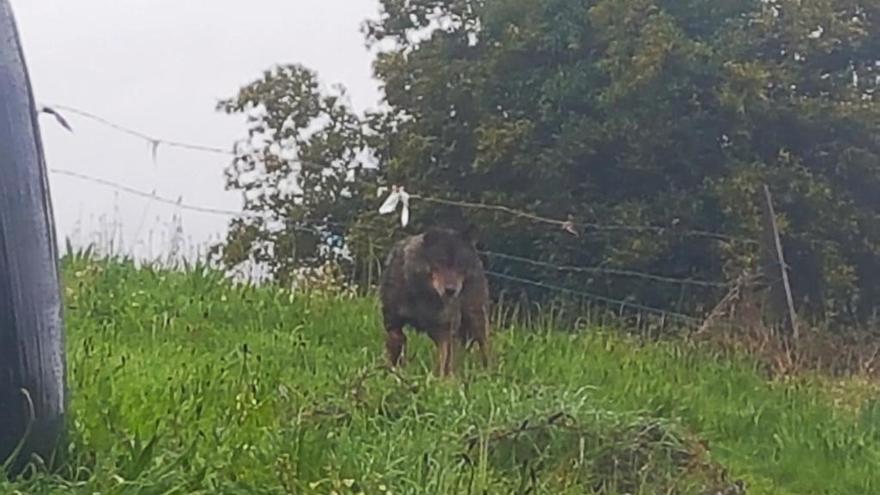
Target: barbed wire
x=298, y=225
x=178, y=203
x=569, y=224
x=663, y=230
x=152, y=140
x=608, y=271
x=565, y=224
x=596, y=297
x=580, y=269
x=511, y=278
x=136, y=192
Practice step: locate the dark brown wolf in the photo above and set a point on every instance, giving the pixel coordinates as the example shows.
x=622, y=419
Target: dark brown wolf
x=435, y=283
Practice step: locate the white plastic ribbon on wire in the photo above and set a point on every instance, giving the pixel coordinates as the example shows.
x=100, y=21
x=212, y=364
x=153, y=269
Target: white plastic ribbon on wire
x=398, y=196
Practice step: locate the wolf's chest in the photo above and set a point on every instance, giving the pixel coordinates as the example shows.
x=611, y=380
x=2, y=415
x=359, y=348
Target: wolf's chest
x=425, y=315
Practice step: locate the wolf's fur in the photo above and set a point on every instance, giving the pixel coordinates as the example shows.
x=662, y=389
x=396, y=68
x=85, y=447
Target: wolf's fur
x=435, y=283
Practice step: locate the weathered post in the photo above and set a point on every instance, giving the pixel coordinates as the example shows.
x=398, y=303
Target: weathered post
x=32, y=363
x=776, y=270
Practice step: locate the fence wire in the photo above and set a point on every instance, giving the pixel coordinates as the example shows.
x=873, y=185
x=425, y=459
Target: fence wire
x=567, y=224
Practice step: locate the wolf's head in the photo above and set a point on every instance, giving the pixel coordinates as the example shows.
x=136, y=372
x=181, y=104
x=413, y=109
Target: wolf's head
x=451, y=255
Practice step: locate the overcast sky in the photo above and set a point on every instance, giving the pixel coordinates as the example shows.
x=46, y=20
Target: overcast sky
x=160, y=66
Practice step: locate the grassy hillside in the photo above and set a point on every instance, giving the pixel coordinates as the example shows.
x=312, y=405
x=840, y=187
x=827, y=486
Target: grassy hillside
x=182, y=383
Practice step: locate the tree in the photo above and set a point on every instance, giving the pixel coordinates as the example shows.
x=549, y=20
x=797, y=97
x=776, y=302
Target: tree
x=301, y=172
x=640, y=112
x=667, y=114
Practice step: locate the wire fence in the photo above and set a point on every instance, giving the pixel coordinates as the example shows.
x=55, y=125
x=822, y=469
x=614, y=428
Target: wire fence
x=154, y=142
x=568, y=224
x=599, y=270
x=596, y=297
x=316, y=229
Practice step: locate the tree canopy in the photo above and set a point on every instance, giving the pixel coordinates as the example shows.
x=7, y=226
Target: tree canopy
x=669, y=115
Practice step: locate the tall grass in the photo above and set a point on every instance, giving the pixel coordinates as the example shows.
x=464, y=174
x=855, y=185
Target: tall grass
x=182, y=382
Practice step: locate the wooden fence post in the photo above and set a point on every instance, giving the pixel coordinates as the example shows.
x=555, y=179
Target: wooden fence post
x=782, y=301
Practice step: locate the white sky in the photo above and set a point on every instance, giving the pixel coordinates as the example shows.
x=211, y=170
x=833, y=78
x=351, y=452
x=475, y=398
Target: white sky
x=160, y=66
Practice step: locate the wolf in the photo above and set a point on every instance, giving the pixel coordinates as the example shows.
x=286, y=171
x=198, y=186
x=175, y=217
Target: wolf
x=435, y=283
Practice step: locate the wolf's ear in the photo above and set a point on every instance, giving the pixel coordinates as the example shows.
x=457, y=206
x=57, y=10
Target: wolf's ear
x=471, y=234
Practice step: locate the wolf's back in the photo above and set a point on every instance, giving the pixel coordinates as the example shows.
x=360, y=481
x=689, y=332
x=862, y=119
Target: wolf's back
x=393, y=280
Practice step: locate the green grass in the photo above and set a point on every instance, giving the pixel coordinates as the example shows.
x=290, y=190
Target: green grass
x=183, y=383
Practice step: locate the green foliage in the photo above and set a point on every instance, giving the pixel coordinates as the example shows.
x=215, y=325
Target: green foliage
x=643, y=112
x=185, y=383
x=296, y=212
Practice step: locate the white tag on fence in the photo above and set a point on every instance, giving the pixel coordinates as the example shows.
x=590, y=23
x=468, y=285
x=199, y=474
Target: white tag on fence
x=398, y=196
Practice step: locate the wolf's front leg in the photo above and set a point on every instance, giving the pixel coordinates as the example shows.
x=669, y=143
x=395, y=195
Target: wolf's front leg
x=395, y=344
x=443, y=340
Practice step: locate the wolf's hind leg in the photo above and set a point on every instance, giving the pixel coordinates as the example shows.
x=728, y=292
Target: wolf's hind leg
x=476, y=329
